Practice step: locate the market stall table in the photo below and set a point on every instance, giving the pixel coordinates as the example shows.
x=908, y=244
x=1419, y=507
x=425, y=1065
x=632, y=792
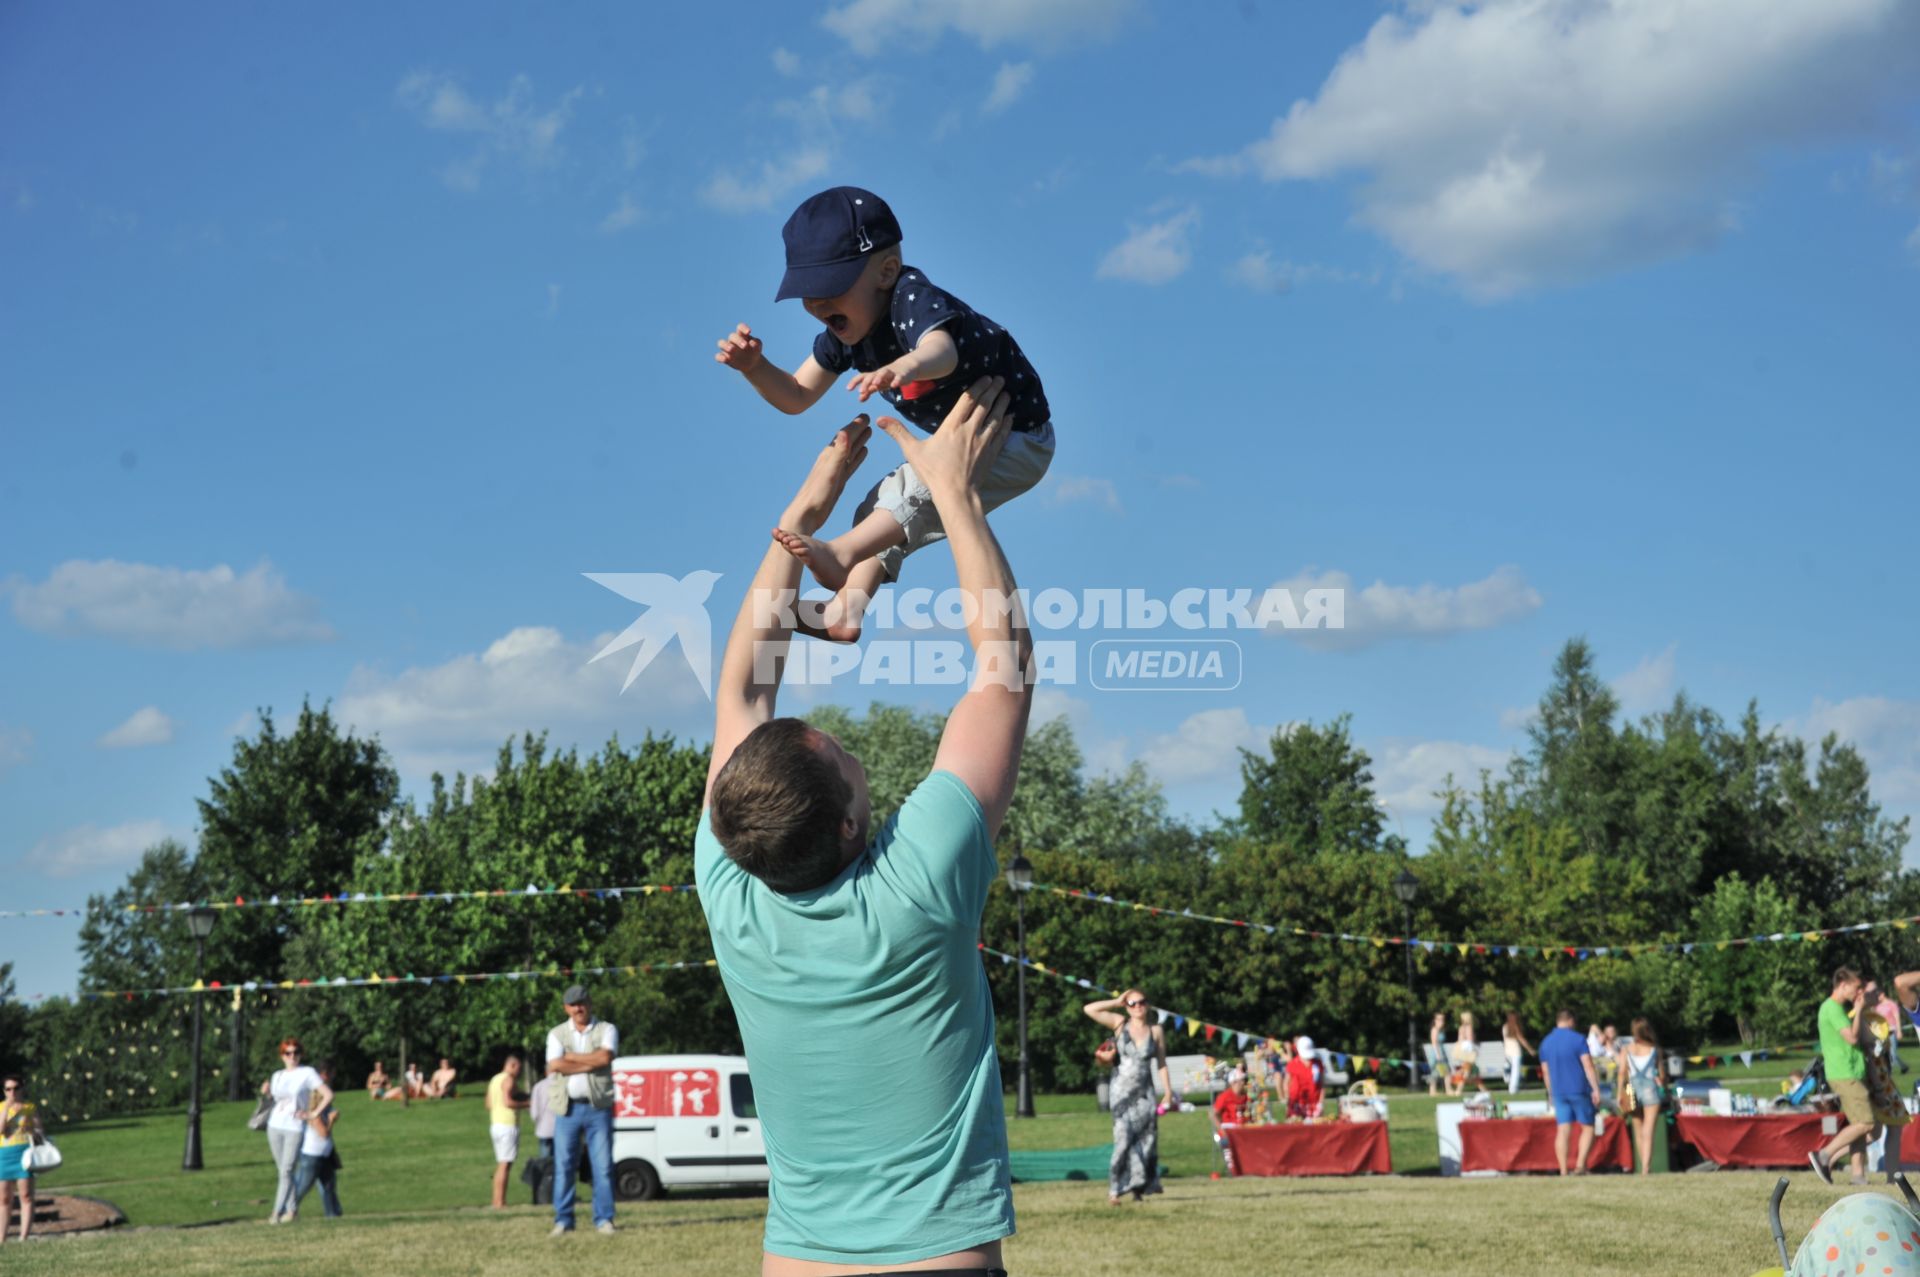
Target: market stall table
x=1511, y=1144
x=1310, y=1148
x=1756, y=1140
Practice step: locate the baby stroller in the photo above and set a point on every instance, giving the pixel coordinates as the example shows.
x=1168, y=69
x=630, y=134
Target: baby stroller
x=1866, y=1232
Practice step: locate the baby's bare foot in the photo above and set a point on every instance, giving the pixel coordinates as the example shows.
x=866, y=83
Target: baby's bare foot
x=820, y=557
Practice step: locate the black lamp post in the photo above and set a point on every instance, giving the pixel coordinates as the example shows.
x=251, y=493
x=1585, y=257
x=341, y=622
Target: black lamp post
x=200, y=922
x=1020, y=878
x=1407, y=888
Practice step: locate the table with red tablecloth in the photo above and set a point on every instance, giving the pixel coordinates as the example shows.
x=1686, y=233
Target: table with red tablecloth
x=1309, y=1148
x=1772, y=1139
x=1510, y=1144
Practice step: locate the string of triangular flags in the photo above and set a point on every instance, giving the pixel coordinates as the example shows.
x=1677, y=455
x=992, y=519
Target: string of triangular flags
x=529, y=892
x=376, y=978
x=1483, y=948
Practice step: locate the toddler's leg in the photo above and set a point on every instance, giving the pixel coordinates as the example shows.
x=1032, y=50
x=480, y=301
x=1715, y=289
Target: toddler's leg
x=831, y=562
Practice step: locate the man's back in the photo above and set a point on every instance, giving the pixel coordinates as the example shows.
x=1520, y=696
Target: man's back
x=868, y=1027
x=1561, y=1051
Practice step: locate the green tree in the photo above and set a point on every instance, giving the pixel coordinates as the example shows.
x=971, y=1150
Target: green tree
x=1762, y=992
x=1313, y=791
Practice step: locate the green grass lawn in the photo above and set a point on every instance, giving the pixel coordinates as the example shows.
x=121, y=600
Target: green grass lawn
x=415, y=1181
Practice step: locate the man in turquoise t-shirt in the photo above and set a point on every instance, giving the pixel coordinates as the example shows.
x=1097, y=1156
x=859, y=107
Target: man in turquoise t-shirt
x=1846, y=1067
x=850, y=959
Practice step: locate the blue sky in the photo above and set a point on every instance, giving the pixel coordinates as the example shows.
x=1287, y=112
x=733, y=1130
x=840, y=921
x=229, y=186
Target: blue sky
x=341, y=342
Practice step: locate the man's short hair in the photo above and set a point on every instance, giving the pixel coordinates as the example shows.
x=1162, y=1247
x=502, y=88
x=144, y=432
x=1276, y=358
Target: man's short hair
x=1563, y=1016
x=778, y=804
x=1843, y=975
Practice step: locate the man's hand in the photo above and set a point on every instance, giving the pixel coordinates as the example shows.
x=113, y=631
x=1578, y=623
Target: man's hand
x=740, y=350
x=820, y=491
x=965, y=446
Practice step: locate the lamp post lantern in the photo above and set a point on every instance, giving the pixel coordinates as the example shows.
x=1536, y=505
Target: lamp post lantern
x=200, y=922
x=1020, y=878
x=1407, y=888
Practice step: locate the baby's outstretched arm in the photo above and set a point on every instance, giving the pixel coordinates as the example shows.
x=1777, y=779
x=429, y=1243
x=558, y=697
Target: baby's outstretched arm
x=790, y=392
x=934, y=358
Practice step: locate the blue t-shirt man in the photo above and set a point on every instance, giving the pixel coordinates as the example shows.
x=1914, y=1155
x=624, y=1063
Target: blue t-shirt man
x=868, y=1026
x=1563, y=1052
x=986, y=350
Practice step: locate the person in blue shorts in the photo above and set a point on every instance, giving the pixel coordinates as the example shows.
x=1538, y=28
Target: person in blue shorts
x=849, y=953
x=1574, y=1088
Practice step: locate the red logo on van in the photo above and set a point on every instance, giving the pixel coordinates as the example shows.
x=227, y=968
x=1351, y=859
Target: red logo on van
x=666, y=1093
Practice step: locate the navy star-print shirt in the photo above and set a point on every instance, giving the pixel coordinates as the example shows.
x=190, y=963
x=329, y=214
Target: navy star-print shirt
x=986, y=350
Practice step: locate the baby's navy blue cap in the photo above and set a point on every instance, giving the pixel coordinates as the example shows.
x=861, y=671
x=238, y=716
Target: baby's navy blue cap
x=829, y=239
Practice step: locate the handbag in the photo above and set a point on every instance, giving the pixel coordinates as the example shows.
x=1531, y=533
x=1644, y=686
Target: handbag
x=42, y=1156
x=1106, y=1053
x=261, y=1112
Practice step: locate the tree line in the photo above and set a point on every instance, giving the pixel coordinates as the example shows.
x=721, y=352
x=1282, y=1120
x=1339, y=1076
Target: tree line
x=1681, y=825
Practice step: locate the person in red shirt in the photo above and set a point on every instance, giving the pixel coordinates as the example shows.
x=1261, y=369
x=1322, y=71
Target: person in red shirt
x=1303, y=1081
x=1230, y=1109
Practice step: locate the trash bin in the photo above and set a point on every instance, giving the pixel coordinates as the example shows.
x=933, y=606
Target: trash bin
x=537, y=1174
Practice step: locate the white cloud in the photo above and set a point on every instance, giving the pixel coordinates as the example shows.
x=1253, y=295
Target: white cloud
x=1205, y=746
x=1154, y=254
x=737, y=193
x=1406, y=773
x=530, y=679
x=1519, y=720
x=824, y=105
x=1069, y=488
x=624, y=215
x=1648, y=686
x=89, y=849
x=786, y=63
x=168, y=607
x=1885, y=731
x=1512, y=144
x=1259, y=272
x=881, y=26
x=511, y=127
x=148, y=726
x=1380, y=611
x=1009, y=82
x=14, y=744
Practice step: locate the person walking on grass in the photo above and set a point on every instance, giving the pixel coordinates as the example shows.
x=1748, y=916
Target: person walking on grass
x=298, y=1092
x=1574, y=1088
x=318, y=1162
x=1135, y=1167
x=1842, y=1034
x=504, y=1103
x=19, y=1128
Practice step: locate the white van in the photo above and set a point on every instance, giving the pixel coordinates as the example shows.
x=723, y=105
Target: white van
x=682, y=1120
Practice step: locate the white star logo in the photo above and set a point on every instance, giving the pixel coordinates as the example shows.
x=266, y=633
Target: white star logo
x=675, y=608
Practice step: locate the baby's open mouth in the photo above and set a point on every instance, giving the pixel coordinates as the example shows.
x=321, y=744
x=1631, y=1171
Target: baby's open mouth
x=838, y=323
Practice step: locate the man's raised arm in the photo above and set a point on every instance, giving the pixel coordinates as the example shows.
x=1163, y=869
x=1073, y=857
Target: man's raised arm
x=757, y=648
x=984, y=734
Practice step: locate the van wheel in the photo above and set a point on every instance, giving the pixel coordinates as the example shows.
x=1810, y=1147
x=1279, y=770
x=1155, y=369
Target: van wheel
x=635, y=1181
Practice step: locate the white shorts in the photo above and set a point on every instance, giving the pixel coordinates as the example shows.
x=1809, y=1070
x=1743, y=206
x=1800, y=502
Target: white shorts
x=1022, y=463
x=506, y=1142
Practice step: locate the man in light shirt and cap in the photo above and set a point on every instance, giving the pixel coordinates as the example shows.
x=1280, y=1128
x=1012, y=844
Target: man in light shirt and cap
x=579, y=1086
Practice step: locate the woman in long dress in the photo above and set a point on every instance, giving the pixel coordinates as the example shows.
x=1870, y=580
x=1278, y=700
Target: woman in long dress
x=1136, y=1133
